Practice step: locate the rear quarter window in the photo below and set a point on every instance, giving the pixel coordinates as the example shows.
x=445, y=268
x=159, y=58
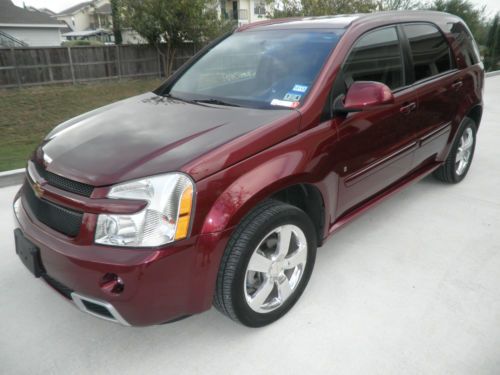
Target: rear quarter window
x=430, y=51
x=465, y=42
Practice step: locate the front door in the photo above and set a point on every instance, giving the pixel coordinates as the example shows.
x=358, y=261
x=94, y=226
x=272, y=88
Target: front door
x=376, y=146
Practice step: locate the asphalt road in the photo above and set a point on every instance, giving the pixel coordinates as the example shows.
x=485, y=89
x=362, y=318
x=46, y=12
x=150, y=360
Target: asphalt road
x=412, y=287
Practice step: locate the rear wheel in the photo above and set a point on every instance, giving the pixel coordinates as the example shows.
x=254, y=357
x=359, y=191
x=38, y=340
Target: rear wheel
x=459, y=160
x=267, y=264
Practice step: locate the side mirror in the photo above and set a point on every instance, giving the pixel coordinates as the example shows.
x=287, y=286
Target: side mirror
x=363, y=95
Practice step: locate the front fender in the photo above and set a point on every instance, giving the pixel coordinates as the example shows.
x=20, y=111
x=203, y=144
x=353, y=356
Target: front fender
x=257, y=184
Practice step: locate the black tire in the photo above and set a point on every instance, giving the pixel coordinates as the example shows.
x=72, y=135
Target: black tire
x=230, y=295
x=448, y=171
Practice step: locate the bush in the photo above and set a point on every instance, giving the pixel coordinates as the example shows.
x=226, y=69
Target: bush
x=80, y=42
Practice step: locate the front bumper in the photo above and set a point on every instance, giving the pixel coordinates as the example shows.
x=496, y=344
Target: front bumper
x=160, y=285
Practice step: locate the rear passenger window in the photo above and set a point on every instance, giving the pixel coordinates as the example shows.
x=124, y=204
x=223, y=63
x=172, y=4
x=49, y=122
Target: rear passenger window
x=430, y=51
x=376, y=56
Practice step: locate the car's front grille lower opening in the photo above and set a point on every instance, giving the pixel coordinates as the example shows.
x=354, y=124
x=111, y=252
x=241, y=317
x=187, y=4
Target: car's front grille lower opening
x=97, y=309
x=60, y=219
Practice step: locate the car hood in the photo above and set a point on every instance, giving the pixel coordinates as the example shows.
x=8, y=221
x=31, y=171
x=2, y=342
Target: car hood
x=149, y=134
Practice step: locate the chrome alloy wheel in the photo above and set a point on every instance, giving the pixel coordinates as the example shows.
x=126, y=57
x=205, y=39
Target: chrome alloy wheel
x=275, y=268
x=464, y=151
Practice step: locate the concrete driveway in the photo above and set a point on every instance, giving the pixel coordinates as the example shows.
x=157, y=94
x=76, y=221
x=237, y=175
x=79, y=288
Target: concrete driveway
x=412, y=287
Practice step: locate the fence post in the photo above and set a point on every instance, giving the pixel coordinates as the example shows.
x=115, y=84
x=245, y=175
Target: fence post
x=118, y=62
x=14, y=61
x=49, y=65
x=72, y=68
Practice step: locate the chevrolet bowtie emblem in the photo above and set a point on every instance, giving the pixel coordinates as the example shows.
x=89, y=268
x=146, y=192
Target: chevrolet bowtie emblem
x=39, y=191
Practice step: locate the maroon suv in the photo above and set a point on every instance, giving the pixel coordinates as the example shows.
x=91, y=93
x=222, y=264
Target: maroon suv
x=218, y=187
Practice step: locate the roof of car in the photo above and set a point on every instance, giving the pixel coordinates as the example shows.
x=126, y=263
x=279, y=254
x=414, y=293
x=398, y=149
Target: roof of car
x=343, y=21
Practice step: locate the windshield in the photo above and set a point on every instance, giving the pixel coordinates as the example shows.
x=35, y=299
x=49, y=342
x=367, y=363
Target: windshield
x=259, y=69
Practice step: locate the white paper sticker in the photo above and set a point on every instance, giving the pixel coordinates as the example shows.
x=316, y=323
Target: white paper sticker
x=284, y=103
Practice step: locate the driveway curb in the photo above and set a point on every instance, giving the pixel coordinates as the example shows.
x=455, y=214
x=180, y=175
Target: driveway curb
x=10, y=178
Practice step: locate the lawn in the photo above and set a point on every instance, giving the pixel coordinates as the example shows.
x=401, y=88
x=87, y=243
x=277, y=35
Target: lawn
x=28, y=114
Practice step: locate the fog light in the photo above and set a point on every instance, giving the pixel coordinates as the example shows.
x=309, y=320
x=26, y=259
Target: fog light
x=112, y=283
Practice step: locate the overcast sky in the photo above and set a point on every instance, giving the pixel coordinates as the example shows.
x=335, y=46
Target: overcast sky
x=493, y=6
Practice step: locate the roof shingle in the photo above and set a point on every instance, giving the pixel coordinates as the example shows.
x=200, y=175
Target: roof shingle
x=11, y=14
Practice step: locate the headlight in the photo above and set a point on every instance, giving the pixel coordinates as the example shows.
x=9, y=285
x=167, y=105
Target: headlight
x=165, y=219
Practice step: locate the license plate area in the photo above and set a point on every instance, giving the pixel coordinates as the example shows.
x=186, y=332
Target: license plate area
x=29, y=254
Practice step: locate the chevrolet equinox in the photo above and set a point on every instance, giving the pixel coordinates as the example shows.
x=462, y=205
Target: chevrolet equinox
x=217, y=188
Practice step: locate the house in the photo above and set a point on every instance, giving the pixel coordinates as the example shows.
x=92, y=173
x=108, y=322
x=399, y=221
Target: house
x=245, y=11
x=89, y=15
x=92, y=20
x=21, y=27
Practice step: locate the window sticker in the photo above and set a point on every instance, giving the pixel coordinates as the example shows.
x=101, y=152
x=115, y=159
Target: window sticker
x=292, y=97
x=300, y=88
x=284, y=103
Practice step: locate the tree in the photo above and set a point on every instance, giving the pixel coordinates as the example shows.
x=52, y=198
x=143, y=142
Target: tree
x=169, y=24
x=286, y=8
x=308, y=8
x=116, y=16
x=399, y=4
x=493, y=45
x=473, y=16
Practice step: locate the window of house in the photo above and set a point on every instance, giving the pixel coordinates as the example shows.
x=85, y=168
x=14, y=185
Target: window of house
x=430, y=50
x=260, y=8
x=376, y=56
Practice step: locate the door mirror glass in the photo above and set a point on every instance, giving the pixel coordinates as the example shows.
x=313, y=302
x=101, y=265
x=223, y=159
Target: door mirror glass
x=363, y=95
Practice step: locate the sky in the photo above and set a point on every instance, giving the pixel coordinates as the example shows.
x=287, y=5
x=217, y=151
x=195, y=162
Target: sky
x=492, y=6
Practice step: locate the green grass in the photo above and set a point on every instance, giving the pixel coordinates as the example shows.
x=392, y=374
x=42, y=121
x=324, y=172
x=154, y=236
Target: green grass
x=28, y=114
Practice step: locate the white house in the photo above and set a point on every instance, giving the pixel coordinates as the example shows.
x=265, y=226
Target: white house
x=93, y=20
x=27, y=27
x=246, y=11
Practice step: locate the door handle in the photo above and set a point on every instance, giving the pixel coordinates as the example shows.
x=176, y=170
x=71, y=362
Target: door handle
x=408, y=108
x=457, y=85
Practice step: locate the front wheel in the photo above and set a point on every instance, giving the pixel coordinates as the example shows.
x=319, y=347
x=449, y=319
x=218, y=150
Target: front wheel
x=459, y=160
x=267, y=264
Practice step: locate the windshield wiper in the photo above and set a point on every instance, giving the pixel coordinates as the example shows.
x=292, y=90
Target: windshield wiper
x=215, y=101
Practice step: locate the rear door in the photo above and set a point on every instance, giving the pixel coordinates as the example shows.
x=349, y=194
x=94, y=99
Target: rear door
x=437, y=85
x=376, y=146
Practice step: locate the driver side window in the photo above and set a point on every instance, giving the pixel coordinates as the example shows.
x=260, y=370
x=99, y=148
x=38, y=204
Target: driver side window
x=376, y=56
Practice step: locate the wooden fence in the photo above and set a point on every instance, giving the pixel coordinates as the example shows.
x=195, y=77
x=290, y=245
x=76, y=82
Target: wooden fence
x=28, y=66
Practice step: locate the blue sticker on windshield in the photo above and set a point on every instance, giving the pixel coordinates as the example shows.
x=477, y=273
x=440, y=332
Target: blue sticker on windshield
x=292, y=97
x=300, y=88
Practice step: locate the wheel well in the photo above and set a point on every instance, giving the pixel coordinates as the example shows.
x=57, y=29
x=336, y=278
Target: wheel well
x=476, y=113
x=309, y=199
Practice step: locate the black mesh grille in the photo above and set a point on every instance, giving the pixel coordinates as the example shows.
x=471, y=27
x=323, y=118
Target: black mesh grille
x=61, y=288
x=58, y=218
x=64, y=183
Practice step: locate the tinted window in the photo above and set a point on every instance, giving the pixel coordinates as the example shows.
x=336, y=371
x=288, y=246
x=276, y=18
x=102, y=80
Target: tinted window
x=465, y=42
x=261, y=69
x=430, y=51
x=376, y=56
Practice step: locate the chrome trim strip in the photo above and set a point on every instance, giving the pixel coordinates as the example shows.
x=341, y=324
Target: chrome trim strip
x=434, y=132
x=78, y=300
x=380, y=161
